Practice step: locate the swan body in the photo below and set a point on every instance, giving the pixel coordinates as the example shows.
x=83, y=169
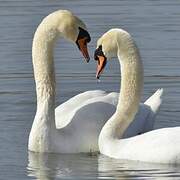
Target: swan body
x=157, y=146
x=75, y=125
x=97, y=104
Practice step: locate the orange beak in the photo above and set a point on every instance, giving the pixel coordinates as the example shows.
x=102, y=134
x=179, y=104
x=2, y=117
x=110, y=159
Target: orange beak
x=82, y=44
x=100, y=66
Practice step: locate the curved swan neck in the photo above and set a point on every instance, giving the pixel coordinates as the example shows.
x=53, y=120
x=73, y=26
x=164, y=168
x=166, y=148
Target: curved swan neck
x=130, y=91
x=43, y=127
x=42, y=55
x=131, y=76
x=43, y=64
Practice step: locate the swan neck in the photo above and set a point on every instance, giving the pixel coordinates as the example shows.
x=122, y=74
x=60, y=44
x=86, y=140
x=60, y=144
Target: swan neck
x=130, y=89
x=43, y=64
x=130, y=93
x=43, y=128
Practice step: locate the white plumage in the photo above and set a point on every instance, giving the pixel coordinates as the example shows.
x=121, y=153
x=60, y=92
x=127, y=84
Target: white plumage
x=75, y=125
x=157, y=146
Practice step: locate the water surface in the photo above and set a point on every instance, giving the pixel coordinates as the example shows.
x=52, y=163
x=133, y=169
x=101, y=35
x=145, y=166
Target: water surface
x=155, y=27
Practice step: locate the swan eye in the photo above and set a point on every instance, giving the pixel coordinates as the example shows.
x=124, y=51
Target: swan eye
x=83, y=34
x=98, y=52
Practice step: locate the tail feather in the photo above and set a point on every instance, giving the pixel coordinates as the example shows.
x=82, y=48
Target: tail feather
x=155, y=101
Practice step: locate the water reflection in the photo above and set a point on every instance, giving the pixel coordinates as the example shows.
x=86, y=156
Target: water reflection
x=46, y=166
x=42, y=166
x=123, y=169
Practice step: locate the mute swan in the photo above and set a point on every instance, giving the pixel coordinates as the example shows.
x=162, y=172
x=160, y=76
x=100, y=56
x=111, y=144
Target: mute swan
x=157, y=146
x=73, y=126
x=44, y=137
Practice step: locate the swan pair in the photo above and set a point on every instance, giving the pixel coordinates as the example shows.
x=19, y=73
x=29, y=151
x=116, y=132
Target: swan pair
x=75, y=125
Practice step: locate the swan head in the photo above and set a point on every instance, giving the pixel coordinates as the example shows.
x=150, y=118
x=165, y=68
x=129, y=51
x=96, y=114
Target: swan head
x=75, y=30
x=72, y=28
x=107, y=48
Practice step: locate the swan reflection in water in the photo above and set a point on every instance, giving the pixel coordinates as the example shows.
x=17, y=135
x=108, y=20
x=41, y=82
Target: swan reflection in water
x=47, y=166
x=128, y=169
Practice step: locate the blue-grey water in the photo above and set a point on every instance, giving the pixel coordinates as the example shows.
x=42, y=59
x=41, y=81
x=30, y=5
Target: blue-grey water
x=155, y=25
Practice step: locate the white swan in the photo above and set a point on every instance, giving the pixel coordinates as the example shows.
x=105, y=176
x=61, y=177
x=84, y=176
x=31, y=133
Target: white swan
x=44, y=137
x=75, y=125
x=157, y=146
